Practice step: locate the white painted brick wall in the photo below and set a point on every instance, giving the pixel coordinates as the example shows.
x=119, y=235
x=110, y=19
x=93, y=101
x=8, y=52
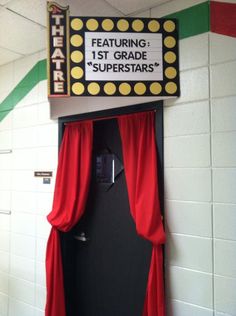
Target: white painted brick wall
x=223, y=76
x=33, y=138
x=200, y=185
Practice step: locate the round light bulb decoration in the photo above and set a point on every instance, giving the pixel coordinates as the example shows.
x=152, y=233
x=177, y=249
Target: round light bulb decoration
x=155, y=88
x=109, y=88
x=77, y=56
x=139, y=88
x=171, y=87
x=169, y=26
x=77, y=24
x=76, y=40
x=169, y=42
x=137, y=25
x=78, y=88
x=125, y=88
x=170, y=72
x=122, y=25
x=93, y=88
x=107, y=25
x=92, y=24
x=153, y=26
x=170, y=57
x=77, y=72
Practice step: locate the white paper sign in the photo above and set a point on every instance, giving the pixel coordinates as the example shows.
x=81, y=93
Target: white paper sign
x=123, y=56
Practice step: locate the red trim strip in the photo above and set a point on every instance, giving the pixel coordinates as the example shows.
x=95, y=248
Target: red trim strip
x=223, y=18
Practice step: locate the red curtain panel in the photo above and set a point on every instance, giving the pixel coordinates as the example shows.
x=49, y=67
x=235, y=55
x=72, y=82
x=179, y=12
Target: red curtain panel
x=71, y=189
x=70, y=196
x=140, y=163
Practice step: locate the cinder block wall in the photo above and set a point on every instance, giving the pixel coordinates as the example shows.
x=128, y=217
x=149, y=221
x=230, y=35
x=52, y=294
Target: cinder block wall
x=223, y=151
x=200, y=180
x=188, y=185
x=200, y=185
x=32, y=136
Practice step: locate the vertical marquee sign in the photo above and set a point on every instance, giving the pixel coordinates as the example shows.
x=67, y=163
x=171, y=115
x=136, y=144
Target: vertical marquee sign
x=112, y=56
x=58, y=50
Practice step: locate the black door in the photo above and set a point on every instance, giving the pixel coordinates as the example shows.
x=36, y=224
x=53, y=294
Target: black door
x=106, y=263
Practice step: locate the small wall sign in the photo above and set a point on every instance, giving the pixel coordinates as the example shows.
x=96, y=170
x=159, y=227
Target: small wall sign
x=46, y=180
x=43, y=174
x=106, y=56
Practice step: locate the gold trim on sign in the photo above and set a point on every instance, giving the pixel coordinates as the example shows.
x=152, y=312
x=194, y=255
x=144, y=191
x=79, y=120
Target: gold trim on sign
x=51, y=4
x=68, y=49
x=48, y=46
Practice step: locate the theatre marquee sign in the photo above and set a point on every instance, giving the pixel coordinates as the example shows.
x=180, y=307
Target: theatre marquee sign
x=96, y=56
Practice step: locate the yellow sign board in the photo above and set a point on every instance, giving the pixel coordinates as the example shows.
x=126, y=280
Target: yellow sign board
x=104, y=56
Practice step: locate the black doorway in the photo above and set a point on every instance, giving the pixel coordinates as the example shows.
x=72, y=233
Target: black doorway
x=105, y=262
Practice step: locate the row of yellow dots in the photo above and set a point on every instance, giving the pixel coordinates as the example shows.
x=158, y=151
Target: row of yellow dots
x=124, y=88
x=78, y=72
x=122, y=25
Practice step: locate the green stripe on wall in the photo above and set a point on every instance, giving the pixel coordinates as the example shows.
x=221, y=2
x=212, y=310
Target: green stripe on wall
x=194, y=20
x=32, y=78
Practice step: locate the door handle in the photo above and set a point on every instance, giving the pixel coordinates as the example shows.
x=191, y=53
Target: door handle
x=81, y=237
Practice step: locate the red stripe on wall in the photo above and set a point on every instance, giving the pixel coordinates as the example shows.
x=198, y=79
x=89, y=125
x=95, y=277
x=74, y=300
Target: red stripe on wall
x=223, y=18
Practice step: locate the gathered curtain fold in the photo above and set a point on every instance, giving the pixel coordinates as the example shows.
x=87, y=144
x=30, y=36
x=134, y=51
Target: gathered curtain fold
x=137, y=133
x=140, y=164
x=70, y=196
